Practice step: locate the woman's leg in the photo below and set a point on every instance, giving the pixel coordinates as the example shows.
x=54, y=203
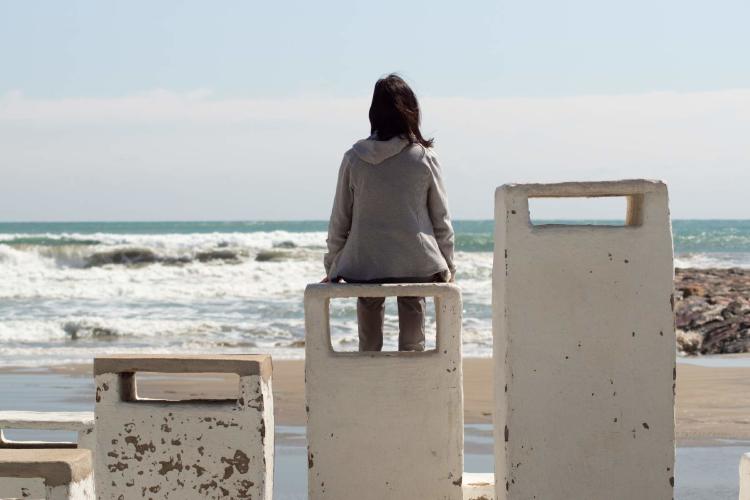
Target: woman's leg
x=370, y=316
x=411, y=311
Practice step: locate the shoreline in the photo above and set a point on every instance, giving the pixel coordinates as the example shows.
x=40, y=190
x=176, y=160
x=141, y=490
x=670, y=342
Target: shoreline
x=712, y=405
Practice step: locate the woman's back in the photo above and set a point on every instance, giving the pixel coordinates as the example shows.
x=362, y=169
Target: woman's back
x=398, y=208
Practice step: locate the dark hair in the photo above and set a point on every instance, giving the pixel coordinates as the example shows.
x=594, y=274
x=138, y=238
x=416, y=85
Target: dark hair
x=395, y=111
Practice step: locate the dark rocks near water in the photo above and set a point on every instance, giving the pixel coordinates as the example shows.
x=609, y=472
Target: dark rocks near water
x=712, y=310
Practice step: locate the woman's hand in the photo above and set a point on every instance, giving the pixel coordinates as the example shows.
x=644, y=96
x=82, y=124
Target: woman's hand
x=325, y=280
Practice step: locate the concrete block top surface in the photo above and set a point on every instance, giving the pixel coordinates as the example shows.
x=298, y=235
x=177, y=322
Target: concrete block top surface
x=317, y=295
x=56, y=466
x=348, y=290
x=586, y=189
x=643, y=202
x=241, y=364
x=73, y=420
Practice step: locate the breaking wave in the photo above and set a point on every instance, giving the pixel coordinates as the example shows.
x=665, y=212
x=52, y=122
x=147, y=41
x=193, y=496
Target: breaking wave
x=102, y=288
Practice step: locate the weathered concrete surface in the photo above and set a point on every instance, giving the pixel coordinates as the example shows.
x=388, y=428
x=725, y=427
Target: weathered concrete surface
x=479, y=486
x=745, y=477
x=584, y=348
x=81, y=422
x=384, y=424
x=184, y=449
x=241, y=365
x=54, y=474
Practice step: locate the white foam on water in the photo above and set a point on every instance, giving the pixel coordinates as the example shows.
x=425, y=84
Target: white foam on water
x=713, y=260
x=55, y=308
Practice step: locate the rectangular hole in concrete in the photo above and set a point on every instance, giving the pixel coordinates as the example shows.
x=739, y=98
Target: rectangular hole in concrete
x=598, y=211
x=177, y=387
x=344, y=329
x=38, y=438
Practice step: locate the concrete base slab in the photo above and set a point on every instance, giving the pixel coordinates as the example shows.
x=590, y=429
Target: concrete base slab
x=745, y=477
x=479, y=486
x=53, y=474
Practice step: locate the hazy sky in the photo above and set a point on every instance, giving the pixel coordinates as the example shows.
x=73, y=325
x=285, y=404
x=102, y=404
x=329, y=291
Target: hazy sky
x=241, y=110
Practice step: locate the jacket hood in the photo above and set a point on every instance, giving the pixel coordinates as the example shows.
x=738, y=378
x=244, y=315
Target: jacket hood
x=373, y=151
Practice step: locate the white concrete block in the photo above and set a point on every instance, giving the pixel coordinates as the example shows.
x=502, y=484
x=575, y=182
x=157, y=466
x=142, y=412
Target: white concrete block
x=584, y=348
x=745, y=477
x=81, y=422
x=184, y=449
x=384, y=424
x=53, y=474
x=479, y=486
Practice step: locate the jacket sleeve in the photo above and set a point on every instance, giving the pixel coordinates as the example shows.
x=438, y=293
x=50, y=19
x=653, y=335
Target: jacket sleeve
x=341, y=216
x=437, y=204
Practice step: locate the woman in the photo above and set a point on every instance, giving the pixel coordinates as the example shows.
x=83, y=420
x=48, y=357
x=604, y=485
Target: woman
x=390, y=221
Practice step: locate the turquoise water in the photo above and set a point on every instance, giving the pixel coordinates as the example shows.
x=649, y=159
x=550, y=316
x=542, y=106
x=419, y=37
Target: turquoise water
x=690, y=236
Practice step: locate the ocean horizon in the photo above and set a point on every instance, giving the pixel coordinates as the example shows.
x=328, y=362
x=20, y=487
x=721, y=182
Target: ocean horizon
x=73, y=290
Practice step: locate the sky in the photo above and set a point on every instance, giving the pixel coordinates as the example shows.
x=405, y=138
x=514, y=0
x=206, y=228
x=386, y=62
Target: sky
x=185, y=110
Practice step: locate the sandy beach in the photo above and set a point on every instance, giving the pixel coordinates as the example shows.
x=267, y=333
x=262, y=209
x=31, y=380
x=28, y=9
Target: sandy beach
x=712, y=402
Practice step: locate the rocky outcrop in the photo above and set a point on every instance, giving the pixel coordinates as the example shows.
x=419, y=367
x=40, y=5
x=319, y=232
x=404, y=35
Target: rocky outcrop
x=712, y=310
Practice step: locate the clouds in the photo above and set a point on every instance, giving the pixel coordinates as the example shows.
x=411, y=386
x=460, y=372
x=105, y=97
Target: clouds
x=171, y=155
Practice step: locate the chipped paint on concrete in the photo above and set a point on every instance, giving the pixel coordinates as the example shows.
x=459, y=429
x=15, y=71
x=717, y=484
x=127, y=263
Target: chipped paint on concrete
x=384, y=424
x=186, y=449
x=584, y=340
x=52, y=474
x=479, y=486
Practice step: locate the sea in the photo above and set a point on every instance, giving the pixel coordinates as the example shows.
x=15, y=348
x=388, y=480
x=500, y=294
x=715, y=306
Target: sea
x=72, y=291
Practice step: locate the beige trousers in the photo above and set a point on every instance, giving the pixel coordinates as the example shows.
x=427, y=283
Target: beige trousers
x=370, y=316
x=411, y=321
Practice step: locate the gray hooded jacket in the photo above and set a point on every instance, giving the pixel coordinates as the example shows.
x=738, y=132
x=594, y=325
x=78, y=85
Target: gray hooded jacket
x=390, y=214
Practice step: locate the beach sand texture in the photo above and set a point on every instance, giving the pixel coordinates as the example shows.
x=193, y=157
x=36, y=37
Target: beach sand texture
x=712, y=402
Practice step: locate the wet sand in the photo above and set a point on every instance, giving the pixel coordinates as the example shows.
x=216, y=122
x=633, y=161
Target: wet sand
x=712, y=402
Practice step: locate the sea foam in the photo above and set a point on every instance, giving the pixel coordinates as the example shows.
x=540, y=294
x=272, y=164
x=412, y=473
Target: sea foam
x=67, y=296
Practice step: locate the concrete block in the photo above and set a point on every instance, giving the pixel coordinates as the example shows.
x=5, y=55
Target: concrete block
x=479, y=486
x=584, y=348
x=745, y=477
x=81, y=422
x=53, y=474
x=184, y=449
x=384, y=424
